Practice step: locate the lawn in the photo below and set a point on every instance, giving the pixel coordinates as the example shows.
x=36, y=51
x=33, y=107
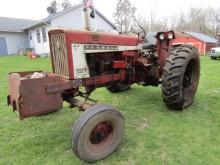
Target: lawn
x=154, y=134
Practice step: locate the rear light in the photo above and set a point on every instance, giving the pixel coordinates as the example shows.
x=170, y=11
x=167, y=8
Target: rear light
x=165, y=35
x=162, y=36
x=170, y=35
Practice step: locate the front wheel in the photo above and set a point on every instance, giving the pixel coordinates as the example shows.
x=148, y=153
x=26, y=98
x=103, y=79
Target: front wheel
x=181, y=77
x=97, y=133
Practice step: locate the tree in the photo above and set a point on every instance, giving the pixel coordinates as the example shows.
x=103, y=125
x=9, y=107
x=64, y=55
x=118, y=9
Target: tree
x=215, y=22
x=53, y=7
x=151, y=24
x=66, y=4
x=203, y=20
x=124, y=15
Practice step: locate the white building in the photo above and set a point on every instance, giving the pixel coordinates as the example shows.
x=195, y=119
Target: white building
x=12, y=36
x=35, y=35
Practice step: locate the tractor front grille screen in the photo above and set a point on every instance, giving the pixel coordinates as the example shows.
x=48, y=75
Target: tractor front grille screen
x=59, y=54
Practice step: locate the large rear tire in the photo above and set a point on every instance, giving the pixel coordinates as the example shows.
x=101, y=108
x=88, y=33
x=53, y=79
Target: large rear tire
x=181, y=77
x=97, y=133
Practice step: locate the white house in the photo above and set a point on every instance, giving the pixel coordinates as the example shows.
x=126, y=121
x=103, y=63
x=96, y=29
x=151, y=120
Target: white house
x=35, y=35
x=12, y=36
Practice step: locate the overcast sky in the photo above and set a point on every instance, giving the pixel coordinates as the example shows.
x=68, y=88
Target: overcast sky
x=36, y=9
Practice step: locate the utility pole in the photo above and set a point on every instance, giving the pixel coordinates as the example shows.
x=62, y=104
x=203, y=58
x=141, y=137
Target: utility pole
x=86, y=16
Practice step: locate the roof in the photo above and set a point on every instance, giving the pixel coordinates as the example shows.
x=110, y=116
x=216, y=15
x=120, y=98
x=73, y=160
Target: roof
x=202, y=37
x=14, y=24
x=48, y=19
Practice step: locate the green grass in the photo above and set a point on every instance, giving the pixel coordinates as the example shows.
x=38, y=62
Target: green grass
x=154, y=134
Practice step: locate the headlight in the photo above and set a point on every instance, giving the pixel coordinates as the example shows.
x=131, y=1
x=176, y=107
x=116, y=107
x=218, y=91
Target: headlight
x=170, y=35
x=162, y=36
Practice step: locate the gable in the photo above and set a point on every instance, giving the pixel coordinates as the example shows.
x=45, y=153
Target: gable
x=71, y=19
x=66, y=17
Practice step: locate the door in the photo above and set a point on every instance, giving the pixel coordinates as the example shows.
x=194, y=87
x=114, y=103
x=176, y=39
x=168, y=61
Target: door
x=3, y=46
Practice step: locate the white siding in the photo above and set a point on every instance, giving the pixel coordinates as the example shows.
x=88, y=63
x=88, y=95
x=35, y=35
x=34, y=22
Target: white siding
x=72, y=19
x=42, y=47
x=15, y=41
x=75, y=20
x=100, y=24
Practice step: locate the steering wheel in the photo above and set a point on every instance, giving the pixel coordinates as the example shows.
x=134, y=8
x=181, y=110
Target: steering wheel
x=138, y=30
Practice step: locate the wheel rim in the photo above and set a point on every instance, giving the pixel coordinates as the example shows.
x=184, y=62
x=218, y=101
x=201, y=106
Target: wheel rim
x=101, y=136
x=190, y=80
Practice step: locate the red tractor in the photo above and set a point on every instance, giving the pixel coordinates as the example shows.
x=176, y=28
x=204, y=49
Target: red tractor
x=83, y=61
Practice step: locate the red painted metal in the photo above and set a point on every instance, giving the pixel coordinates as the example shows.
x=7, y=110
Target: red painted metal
x=119, y=64
x=38, y=96
x=70, y=58
x=85, y=37
x=163, y=48
x=130, y=54
x=163, y=52
x=102, y=80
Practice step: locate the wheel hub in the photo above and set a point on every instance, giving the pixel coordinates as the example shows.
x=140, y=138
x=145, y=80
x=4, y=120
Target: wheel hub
x=101, y=132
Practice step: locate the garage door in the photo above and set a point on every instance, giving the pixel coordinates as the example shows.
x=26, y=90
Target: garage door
x=3, y=46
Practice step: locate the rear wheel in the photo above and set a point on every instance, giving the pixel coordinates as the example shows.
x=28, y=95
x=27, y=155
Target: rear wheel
x=118, y=87
x=97, y=133
x=180, y=77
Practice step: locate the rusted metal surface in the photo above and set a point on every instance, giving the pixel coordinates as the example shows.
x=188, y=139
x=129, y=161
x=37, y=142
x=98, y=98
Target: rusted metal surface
x=14, y=83
x=28, y=96
x=101, y=80
x=58, y=86
x=163, y=48
x=102, y=132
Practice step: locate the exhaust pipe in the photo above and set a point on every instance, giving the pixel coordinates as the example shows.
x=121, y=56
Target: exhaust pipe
x=86, y=16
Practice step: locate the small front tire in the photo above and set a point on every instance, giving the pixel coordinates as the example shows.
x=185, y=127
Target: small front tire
x=97, y=133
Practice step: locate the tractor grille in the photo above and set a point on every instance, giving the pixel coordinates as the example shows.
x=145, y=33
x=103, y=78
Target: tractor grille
x=95, y=38
x=59, y=54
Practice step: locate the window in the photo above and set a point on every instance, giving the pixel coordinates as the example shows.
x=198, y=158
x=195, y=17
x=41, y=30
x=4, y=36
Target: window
x=38, y=36
x=44, y=34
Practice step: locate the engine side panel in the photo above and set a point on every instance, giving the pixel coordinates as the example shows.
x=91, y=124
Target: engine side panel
x=88, y=43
